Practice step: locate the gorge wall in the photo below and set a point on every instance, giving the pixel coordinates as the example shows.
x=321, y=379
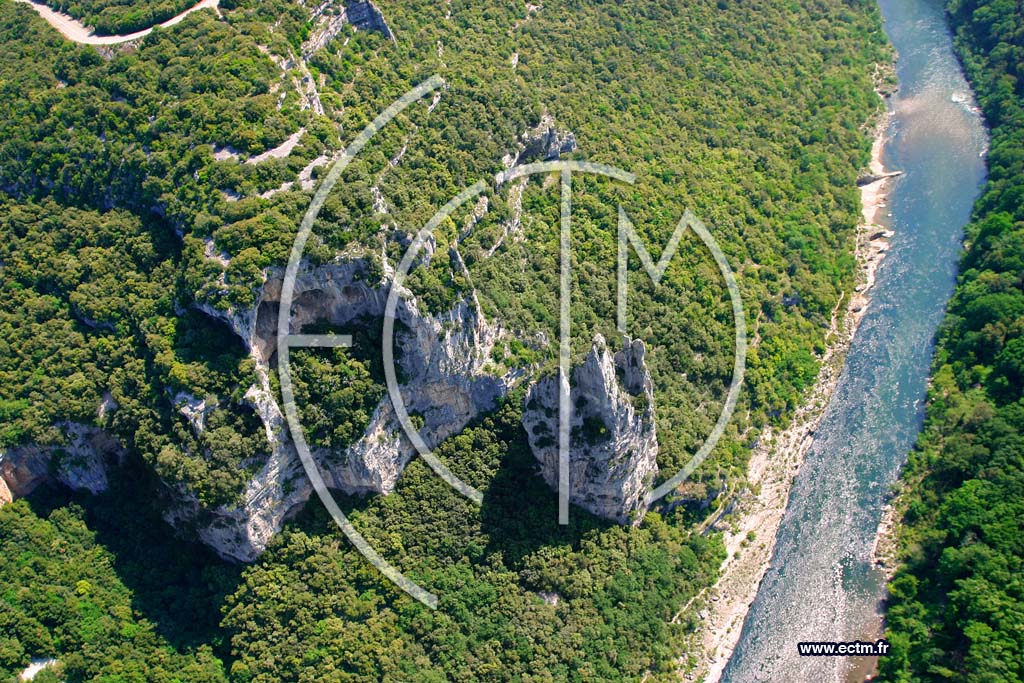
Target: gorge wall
x=448, y=379
x=613, y=441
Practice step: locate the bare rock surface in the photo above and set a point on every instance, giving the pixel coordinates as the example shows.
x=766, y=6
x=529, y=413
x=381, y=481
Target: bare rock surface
x=544, y=142
x=443, y=361
x=613, y=440
x=362, y=15
x=80, y=464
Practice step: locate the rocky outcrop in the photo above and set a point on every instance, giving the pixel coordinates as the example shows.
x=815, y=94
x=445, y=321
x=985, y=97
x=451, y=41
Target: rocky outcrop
x=443, y=360
x=613, y=442
x=80, y=464
x=5, y=493
x=242, y=531
x=544, y=142
x=869, y=178
x=367, y=17
x=193, y=409
x=364, y=16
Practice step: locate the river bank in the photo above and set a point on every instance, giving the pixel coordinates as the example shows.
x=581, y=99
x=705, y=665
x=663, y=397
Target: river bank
x=774, y=463
x=885, y=552
x=822, y=583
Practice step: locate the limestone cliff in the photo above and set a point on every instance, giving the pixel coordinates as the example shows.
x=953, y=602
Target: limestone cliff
x=613, y=441
x=442, y=359
x=543, y=142
x=329, y=19
x=80, y=464
x=448, y=379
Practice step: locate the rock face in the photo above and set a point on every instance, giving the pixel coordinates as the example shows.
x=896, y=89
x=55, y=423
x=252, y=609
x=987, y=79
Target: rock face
x=194, y=409
x=613, y=441
x=544, y=142
x=81, y=464
x=441, y=359
x=364, y=16
x=549, y=144
x=444, y=362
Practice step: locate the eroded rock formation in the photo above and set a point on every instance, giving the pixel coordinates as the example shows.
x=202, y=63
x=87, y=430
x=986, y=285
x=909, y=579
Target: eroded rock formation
x=543, y=142
x=445, y=364
x=442, y=359
x=80, y=464
x=613, y=441
x=362, y=15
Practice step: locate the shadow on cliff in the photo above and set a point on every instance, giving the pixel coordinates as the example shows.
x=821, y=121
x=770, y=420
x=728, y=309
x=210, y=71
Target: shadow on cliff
x=435, y=526
x=520, y=511
x=178, y=586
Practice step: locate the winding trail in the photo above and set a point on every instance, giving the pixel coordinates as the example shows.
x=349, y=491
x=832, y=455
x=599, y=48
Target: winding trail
x=73, y=29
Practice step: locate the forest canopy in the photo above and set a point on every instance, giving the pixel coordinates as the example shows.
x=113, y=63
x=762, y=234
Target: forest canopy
x=139, y=210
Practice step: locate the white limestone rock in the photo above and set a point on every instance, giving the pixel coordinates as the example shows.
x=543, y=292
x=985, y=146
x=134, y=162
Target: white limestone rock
x=613, y=440
x=80, y=464
x=443, y=359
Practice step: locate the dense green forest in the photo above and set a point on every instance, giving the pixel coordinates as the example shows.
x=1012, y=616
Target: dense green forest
x=956, y=611
x=521, y=597
x=118, y=17
x=136, y=131
x=99, y=582
x=123, y=170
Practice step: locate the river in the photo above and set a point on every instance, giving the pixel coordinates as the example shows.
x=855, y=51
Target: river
x=822, y=584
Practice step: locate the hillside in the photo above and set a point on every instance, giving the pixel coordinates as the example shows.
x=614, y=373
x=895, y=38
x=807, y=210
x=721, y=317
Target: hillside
x=149, y=196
